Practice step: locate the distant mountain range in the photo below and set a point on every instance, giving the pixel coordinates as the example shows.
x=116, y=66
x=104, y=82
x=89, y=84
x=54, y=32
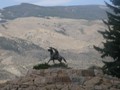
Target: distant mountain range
x=88, y=12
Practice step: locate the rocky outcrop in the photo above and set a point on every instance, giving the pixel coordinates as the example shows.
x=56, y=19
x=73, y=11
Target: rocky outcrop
x=63, y=79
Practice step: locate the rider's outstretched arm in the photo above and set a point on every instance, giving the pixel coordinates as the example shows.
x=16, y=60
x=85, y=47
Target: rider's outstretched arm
x=55, y=50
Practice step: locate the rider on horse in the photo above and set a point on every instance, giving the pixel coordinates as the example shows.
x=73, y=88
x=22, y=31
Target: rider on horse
x=54, y=55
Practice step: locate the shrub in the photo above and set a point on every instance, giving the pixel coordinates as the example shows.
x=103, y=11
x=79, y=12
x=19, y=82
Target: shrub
x=41, y=66
x=46, y=66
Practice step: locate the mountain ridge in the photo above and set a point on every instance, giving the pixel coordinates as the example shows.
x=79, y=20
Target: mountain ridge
x=88, y=12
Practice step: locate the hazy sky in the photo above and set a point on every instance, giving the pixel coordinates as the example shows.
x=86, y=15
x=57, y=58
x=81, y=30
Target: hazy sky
x=5, y=3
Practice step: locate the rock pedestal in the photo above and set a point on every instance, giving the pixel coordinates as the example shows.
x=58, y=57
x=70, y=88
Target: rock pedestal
x=62, y=79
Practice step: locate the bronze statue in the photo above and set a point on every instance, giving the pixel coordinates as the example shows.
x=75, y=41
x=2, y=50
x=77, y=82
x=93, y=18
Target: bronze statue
x=54, y=55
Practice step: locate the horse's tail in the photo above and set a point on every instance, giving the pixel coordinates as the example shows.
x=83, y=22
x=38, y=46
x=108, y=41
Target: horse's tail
x=64, y=59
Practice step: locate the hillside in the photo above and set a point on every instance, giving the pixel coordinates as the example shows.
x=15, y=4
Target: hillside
x=17, y=56
x=30, y=30
x=24, y=43
x=88, y=12
x=57, y=32
x=27, y=31
x=73, y=38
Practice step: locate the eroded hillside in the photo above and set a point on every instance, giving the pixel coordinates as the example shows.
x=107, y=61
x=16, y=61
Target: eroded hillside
x=32, y=36
x=61, y=33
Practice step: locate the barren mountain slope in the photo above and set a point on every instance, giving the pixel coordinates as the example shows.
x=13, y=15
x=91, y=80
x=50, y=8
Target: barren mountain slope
x=57, y=32
x=29, y=38
x=17, y=56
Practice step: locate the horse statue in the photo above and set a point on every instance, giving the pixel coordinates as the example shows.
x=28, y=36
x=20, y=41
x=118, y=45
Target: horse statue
x=54, y=55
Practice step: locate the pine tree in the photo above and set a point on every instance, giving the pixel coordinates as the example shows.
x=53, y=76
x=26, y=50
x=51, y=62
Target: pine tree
x=112, y=36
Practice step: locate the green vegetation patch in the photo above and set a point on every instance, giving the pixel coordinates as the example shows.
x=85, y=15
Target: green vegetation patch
x=46, y=66
x=41, y=66
x=63, y=65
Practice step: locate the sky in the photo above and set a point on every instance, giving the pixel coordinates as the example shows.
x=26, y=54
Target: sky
x=6, y=3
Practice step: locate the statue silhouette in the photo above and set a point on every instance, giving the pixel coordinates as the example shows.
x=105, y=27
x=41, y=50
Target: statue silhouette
x=54, y=55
